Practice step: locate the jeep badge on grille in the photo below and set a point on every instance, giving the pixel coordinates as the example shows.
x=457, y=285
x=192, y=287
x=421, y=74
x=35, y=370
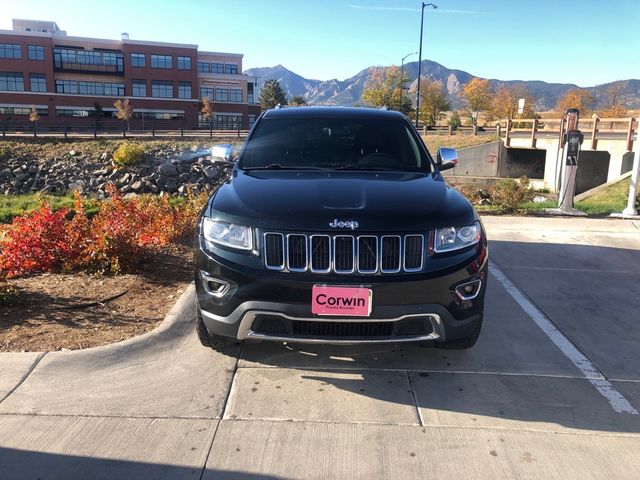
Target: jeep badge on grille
x=352, y=224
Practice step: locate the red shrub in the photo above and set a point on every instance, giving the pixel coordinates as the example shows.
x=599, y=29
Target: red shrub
x=35, y=243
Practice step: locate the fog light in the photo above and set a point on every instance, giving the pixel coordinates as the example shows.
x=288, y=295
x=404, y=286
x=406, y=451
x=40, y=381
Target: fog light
x=214, y=286
x=469, y=291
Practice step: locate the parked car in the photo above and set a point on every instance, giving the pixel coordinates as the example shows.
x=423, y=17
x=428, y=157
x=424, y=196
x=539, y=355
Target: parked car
x=336, y=226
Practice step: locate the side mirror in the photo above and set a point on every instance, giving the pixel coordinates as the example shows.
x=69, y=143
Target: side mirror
x=446, y=158
x=223, y=153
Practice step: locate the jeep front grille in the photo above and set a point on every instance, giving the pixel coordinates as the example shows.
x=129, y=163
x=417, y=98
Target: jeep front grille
x=343, y=254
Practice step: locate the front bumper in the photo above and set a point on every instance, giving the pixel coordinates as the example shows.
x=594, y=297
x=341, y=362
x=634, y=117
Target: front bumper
x=406, y=307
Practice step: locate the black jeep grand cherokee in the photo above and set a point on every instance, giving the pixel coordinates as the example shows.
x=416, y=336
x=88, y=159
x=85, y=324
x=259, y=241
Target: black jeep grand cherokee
x=336, y=226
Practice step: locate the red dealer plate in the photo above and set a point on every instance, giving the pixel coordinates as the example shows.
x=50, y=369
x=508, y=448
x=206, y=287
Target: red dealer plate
x=342, y=301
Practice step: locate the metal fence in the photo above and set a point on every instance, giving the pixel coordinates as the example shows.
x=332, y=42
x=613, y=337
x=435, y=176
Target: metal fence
x=137, y=128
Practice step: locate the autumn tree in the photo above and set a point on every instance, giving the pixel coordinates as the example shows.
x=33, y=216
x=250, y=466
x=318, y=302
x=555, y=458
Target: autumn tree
x=124, y=110
x=579, y=98
x=477, y=97
x=433, y=101
x=505, y=102
x=297, y=101
x=271, y=95
x=383, y=89
x=616, y=105
x=206, y=109
x=33, y=115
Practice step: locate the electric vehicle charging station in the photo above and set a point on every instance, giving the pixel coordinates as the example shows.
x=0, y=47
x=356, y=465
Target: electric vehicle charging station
x=572, y=139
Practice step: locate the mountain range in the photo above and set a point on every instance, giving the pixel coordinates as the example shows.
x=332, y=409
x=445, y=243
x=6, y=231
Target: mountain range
x=348, y=92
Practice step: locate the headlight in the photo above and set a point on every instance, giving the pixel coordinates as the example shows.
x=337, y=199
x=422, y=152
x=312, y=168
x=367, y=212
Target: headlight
x=228, y=234
x=454, y=238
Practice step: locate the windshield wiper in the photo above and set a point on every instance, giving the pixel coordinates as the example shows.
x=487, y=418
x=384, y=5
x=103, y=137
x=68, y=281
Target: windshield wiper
x=279, y=166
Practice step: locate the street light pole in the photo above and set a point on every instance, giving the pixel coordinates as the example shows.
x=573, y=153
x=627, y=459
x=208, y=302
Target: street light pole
x=402, y=78
x=434, y=6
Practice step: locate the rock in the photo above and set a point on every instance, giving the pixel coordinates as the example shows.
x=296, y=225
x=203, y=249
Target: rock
x=171, y=187
x=33, y=169
x=168, y=169
x=131, y=195
x=105, y=156
x=72, y=153
x=182, y=189
x=124, y=179
x=23, y=177
x=75, y=186
x=136, y=186
x=211, y=172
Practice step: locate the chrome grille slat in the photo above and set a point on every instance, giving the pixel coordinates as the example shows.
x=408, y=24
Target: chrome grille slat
x=343, y=253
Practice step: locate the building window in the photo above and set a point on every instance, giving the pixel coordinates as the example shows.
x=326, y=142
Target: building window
x=250, y=92
x=217, y=68
x=252, y=120
x=184, y=90
x=222, y=95
x=206, y=92
x=114, y=89
x=161, y=61
x=22, y=111
x=87, y=60
x=162, y=89
x=138, y=59
x=90, y=88
x=231, y=69
x=204, y=67
x=184, y=63
x=66, y=86
x=35, y=52
x=9, y=50
x=235, y=95
x=11, y=82
x=139, y=88
x=38, y=82
x=228, y=122
x=159, y=115
x=72, y=112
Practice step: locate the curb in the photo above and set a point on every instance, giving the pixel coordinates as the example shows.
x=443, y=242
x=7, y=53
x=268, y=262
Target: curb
x=177, y=321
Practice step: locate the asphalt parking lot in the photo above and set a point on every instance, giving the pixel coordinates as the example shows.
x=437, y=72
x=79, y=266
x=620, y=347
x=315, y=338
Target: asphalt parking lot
x=551, y=390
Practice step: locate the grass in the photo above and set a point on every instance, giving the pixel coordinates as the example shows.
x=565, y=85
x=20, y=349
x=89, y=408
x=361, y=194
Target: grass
x=610, y=200
x=456, y=141
x=14, y=205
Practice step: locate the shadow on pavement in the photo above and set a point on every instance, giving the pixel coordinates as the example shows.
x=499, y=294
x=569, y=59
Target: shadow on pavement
x=21, y=464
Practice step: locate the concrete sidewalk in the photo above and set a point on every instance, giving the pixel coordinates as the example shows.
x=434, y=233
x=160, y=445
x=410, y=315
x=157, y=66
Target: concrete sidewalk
x=515, y=406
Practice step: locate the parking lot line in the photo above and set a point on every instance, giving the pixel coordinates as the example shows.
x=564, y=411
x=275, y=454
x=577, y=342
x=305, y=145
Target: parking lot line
x=582, y=363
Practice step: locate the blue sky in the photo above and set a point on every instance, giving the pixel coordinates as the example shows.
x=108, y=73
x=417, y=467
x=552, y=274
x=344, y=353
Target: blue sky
x=323, y=39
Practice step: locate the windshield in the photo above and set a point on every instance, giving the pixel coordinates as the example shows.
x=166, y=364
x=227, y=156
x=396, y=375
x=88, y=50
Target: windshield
x=333, y=143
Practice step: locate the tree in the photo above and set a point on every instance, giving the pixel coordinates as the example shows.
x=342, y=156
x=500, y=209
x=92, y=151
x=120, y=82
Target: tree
x=579, y=98
x=272, y=94
x=98, y=112
x=477, y=97
x=616, y=106
x=455, y=121
x=124, y=110
x=33, y=115
x=297, y=101
x=206, y=109
x=433, y=101
x=505, y=103
x=383, y=89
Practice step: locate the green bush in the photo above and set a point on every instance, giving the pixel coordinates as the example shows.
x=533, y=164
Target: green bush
x=508, y=195
x=128, y=154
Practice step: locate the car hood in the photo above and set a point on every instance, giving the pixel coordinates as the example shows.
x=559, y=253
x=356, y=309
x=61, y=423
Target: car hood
x=311, y=200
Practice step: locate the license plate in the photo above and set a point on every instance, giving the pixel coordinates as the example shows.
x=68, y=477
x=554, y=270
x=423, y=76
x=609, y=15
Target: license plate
x=341, y=301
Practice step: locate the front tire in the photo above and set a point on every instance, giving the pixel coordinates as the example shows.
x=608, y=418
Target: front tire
x=463, y=343
x=217, y=342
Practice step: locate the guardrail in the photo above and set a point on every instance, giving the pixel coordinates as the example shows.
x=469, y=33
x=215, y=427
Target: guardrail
x=626, y=128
